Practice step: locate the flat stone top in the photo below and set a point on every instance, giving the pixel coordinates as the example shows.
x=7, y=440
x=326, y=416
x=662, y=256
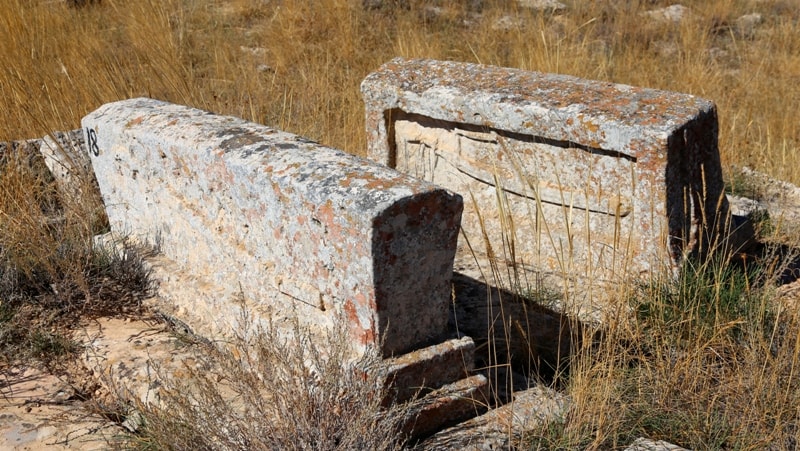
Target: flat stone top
x=561, y=107
x=258, y=152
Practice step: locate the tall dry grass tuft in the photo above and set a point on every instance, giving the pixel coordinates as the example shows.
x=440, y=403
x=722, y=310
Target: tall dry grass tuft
x=707, y=361
x=278, y=392
x=63, y=62
x=51, y=274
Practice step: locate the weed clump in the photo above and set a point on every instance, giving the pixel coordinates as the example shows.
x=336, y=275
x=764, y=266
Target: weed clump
x=278, y=392
x=704, y=360
x=51, y=274
x=707, y=299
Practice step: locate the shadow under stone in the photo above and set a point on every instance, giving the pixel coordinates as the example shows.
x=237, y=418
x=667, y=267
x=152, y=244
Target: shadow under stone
x=519, y=343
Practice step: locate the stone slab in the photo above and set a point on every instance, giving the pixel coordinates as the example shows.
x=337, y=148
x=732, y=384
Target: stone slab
x=450, y=404
x=430, y=368
x=65, y=155
x=269, y=226
x=571, y=177
x=778, y=199
x=503, y=427
x=25, y=155
x=135, y=361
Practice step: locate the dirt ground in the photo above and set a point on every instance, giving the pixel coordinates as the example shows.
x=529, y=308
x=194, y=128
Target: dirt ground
x=39, y=410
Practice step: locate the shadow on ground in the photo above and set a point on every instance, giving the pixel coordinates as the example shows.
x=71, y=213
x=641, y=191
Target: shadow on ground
x=519, y=343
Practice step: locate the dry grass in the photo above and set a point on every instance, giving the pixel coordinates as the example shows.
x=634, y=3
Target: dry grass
x=708, y=362
x=297, y=65
x=50, y=274
x=278, y=392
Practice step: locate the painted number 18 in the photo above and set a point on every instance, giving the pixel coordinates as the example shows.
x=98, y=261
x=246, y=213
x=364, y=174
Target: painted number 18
x=91, y=137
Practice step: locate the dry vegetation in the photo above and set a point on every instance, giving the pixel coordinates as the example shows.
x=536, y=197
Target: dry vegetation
x=717, y=372
x=321, y=404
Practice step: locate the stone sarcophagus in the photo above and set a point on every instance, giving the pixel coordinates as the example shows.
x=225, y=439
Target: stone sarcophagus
x=261, y=225
x=560, y=175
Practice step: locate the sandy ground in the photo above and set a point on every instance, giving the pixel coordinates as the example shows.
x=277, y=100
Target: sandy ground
x=39, y=410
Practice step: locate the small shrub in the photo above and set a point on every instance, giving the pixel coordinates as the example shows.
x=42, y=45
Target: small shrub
x=704, y=299
x=278, y=392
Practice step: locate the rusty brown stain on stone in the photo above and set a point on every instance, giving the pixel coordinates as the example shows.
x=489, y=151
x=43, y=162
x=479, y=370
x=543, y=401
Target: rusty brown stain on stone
x=133, y=122
x=325, y=215
x=364, y=335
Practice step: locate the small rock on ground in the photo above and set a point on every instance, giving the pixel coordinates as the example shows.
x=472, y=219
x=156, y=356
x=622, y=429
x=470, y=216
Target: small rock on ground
x=644, y=444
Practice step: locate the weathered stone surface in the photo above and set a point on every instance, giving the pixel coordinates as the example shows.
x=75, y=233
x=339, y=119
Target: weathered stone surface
x=501, y=428
x=65, y=155
x=136, y=362
x=578, y=178
x=430, y=368
x=645, y=444
x=268, y=225
x=24, y=155
x=743, y=235
x=779, y=199
x=440, y=378
x=746, y=25
x=543, y=5
x=673, y=14
x=459, y=401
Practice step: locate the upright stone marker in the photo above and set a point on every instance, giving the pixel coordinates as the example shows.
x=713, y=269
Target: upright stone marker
x=586, y=178
x=266, y=222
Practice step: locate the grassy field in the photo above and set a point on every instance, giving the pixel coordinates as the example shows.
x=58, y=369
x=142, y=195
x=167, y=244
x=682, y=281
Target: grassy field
x=297, y=65
x=719, y=371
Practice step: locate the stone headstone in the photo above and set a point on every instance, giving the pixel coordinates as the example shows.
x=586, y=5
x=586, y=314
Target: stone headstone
x=268, y=226
x=560, y=175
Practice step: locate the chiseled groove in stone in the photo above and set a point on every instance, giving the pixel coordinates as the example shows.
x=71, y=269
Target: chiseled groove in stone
x=266, y=217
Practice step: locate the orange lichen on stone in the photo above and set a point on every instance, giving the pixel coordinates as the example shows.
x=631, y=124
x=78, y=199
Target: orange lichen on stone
x=133, y=122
